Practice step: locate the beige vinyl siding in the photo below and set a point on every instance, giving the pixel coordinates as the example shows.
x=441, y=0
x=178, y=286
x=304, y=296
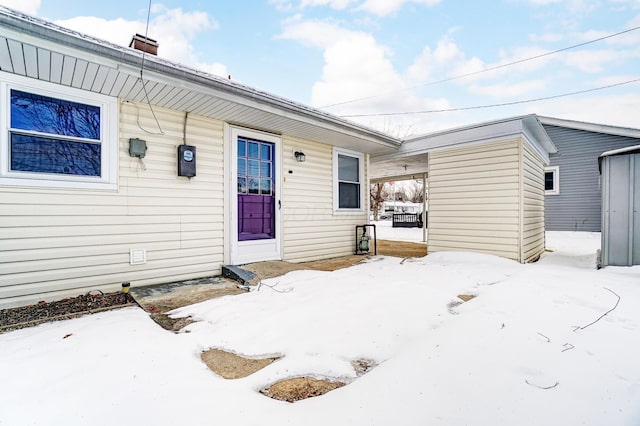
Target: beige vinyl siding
x=55, y=242
x=532, y=205
x=311, y=230
x=474, y=198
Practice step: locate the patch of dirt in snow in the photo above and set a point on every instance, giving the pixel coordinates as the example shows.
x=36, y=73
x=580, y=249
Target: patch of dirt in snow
x=231, y=366
x=463, y=298
x=299, y=388
x=171, y=324
x=362, y=366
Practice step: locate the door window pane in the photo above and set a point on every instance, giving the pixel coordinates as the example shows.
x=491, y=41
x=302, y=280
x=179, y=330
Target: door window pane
x=242, y=148
x=242, y=166
x=265, y=186
x=254, y=186
x=242, y=185
x=252, y=150
x=265, y=154
x=254, y=168
x=265, y=169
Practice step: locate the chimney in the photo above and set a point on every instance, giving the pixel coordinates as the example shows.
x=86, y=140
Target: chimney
x=144, y=44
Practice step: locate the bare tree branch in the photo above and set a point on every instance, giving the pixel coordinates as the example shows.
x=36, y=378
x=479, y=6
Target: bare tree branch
x=548, y=340
x=542, y=387
x=603, y=315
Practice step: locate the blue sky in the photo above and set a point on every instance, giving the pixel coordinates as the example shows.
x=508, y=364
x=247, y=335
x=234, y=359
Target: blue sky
x=323, y=52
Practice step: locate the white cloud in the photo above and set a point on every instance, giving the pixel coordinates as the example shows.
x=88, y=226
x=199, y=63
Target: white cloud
x=386, y=7
x=634, y=4
x=615, y=110
x=377, y=7
x=288, y=5
x=356, y=66
x=30, y=7
x=322, y=34
x=508, y=90
x=429, y=61
x=592, y=61
x=174, y=30
x=544, y=2
x=335, y=4
x=546, y=37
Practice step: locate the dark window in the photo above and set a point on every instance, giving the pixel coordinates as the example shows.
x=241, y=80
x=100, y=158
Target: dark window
x=548, y=181
x=348, y=182
x=45, y=155
x=54, y=136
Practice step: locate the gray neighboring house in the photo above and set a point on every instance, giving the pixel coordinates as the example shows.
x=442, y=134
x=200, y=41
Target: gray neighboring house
x=573, y=196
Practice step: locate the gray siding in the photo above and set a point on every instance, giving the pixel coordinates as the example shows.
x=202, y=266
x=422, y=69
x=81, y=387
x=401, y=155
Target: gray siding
x=578, y=205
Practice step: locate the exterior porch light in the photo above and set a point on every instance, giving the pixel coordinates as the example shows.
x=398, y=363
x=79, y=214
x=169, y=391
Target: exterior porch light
x=300, y=157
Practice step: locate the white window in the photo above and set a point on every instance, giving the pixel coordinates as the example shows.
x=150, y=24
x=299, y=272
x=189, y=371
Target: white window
x=552, y=180
x=57, y=137
x=348, y=181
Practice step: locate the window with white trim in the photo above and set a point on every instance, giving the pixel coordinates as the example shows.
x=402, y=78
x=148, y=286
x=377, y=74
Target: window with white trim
x=57, y=137
x=552, y=180
x=348, y=177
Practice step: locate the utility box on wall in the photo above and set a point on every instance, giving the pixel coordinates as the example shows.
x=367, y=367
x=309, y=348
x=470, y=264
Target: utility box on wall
x=186, y=160
x=137, y=147
x=620, y=174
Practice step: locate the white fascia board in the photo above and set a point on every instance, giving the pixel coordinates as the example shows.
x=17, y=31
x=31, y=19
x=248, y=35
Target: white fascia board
x=591, y=127
x=457, y=138
x=630, y=149
x=527, y=127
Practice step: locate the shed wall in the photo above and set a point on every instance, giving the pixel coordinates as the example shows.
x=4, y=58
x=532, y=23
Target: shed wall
x=578, y=205
x=55, y=243
x=532, y=204
x=474, y=199
x=311, y=230
x=621, y=210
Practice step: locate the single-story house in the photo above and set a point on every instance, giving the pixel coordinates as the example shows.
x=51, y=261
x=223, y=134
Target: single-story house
x=573, y=196
x=486, y=185
x=119, y=166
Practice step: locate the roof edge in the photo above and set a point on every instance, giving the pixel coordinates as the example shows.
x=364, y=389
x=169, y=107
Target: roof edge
x=41, y=28
x=591, y=127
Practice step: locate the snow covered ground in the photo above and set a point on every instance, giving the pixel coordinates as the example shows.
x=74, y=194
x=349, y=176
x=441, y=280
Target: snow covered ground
x=531, y=349
x=386, y=231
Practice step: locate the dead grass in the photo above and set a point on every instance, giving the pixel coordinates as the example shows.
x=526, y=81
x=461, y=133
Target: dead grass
x=231, y=366
x=466, y=297
x=401, y=249
x=299, y=388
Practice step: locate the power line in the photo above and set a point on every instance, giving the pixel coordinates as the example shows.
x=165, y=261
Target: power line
x=492, y=105
x=444, y=80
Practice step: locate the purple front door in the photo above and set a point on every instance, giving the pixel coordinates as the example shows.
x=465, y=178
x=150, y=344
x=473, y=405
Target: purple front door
x=256, y=190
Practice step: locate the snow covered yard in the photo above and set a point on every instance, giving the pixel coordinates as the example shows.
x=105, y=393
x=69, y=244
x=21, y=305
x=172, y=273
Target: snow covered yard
x=525, y=351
